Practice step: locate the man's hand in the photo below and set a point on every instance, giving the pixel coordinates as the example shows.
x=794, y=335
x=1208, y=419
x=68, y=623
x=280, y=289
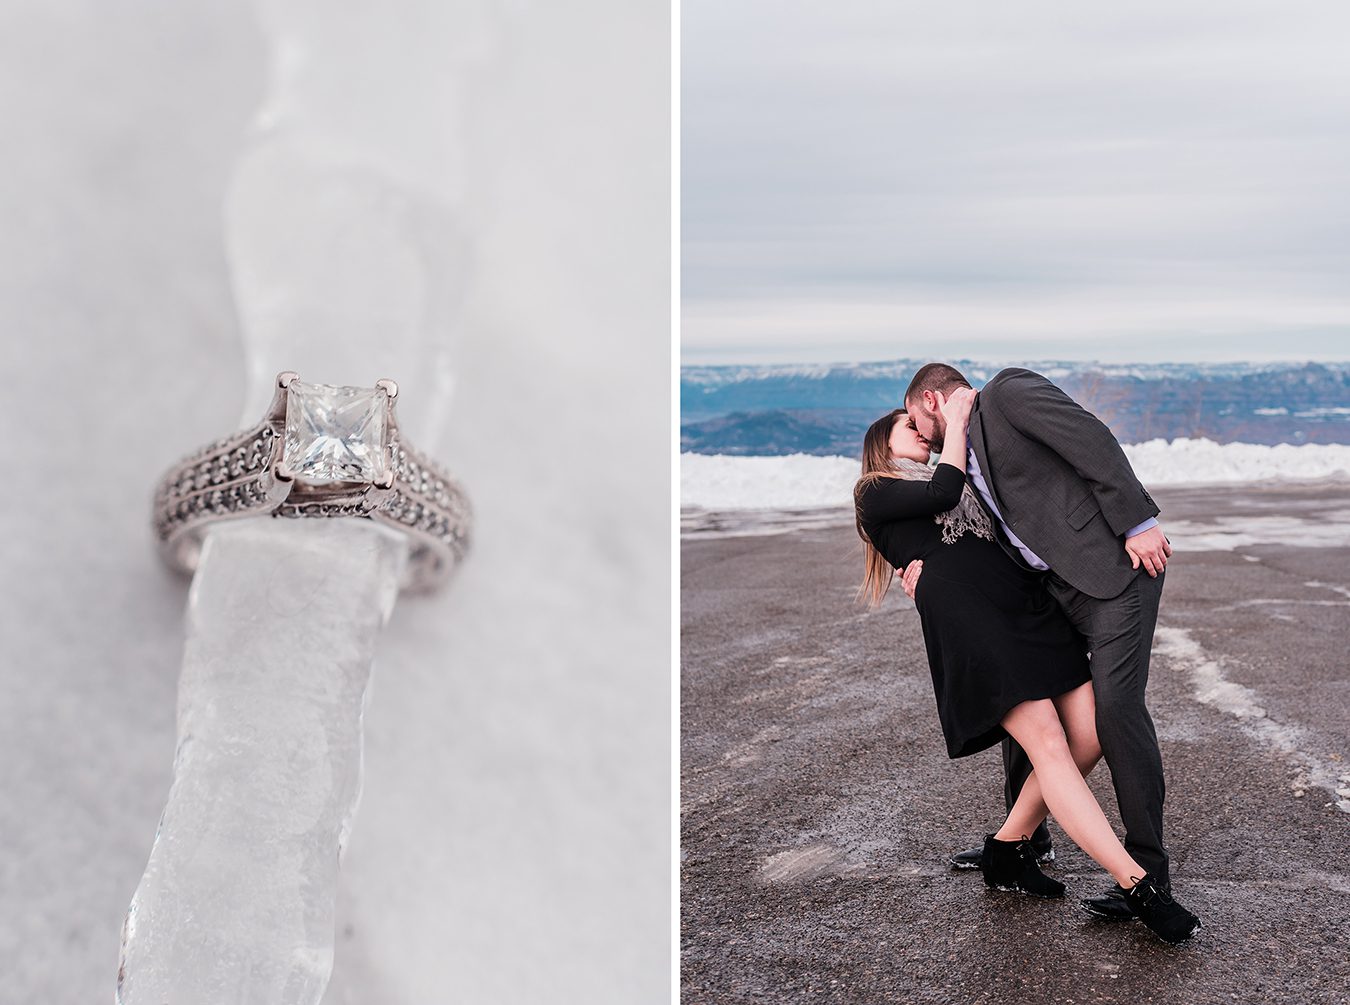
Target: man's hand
x=1151, y=548
x=910, y=578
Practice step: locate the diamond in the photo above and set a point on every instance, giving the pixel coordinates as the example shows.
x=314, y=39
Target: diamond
x=335, y=434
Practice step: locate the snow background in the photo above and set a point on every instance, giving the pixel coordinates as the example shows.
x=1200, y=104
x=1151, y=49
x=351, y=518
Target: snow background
x=513, y=841
x=791, y=481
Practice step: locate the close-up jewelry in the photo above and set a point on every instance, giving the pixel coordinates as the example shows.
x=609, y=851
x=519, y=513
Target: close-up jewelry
x=320, y=451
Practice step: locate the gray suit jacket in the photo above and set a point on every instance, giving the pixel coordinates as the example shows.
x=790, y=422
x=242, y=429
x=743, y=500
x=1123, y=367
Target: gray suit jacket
x=1060, y=480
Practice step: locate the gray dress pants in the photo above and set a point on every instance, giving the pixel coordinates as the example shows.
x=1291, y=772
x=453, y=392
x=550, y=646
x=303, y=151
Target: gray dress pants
x=1119, y=633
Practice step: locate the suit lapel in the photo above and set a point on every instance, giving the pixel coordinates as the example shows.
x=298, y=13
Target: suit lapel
x=975, y=434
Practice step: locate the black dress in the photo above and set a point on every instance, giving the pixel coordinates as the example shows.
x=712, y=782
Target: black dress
x=995, y=636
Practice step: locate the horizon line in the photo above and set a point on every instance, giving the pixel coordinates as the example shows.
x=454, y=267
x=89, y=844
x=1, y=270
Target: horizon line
x=1008, y=360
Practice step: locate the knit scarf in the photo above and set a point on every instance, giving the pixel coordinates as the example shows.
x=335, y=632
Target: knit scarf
x=966, y=515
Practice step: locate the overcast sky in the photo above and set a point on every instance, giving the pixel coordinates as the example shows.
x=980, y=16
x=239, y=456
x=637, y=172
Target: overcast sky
x=1073, y=180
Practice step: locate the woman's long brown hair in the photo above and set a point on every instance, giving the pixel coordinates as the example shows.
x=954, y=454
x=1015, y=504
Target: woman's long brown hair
x=876, y=464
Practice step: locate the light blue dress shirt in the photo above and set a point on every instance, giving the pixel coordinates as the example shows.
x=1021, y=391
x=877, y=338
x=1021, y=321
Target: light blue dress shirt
x=1034, y=560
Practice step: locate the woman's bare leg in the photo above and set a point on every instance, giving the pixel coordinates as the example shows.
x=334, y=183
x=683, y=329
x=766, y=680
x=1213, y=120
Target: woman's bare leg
x=1078, y=713
x=1036, y=726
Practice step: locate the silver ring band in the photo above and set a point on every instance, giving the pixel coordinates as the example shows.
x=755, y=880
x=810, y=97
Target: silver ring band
x=320, y=451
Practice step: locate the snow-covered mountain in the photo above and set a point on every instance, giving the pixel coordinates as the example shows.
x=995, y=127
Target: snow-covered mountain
x=823, y=409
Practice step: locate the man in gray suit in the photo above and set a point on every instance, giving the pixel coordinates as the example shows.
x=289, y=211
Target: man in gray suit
x=1066, y=501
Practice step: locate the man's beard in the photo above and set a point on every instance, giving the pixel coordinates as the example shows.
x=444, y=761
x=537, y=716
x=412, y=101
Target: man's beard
x=939, y=437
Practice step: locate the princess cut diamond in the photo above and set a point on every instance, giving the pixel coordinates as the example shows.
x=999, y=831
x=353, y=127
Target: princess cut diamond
x=335, y=434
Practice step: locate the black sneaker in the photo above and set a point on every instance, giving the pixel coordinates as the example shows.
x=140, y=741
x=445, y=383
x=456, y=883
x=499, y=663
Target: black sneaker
x=970, y=858
x=1111, y=905
x=1011, y=865
x=1155, y=907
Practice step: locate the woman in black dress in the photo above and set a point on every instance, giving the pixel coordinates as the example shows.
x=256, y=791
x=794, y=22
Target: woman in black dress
x=1004, y=659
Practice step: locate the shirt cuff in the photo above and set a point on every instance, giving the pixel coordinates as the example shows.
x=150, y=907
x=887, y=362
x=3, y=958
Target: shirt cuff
x=1148, y=524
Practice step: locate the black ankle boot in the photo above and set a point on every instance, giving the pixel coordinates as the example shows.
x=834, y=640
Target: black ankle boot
x=1011, y=865
x=1167, y=919
x=970, y=858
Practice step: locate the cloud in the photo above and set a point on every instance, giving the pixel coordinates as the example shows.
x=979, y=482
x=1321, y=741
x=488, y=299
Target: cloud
x=855, y=173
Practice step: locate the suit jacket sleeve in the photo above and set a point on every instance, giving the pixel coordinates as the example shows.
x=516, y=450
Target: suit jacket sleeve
x=1041, y=411
x=888, y=499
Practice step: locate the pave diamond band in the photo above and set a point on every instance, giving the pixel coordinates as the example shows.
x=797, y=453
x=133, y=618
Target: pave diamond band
x=320, y=451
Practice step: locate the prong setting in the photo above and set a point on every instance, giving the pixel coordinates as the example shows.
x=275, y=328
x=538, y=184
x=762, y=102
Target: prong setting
x=276, y=411
x=319, y=453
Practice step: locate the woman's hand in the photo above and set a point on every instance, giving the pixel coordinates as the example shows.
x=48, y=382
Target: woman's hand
x=956, y=409
x=955, y=414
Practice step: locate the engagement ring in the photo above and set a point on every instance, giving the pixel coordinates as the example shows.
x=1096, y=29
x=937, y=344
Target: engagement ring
x=320, y=451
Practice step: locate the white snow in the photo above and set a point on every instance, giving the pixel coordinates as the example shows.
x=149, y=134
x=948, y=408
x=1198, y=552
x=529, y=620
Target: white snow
x=1204, y=462
x=1321, y=413
x=1228, y=533
x=712, y=377
x=801, y=481
x=794, y=481
x=1211, y=686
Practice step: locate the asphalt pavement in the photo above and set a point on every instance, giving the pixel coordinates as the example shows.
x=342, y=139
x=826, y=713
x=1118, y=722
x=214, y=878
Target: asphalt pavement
x=818, y=805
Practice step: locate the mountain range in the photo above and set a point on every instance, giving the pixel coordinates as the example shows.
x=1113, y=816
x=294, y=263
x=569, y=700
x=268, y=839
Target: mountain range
x=824, y=409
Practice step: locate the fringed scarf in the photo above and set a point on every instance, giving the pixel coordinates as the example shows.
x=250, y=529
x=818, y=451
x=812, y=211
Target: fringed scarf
x=966, y=515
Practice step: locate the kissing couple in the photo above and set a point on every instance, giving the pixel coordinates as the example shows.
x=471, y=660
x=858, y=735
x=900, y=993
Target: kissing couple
x=1036, y=561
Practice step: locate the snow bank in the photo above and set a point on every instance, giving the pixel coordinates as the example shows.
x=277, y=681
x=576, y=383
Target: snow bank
x=801, y=481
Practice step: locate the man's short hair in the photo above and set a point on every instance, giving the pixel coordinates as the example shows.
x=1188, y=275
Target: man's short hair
x=935, y=377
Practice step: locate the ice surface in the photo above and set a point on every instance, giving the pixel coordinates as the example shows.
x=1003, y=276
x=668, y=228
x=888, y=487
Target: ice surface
x=237, y=902
x=339, y=239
